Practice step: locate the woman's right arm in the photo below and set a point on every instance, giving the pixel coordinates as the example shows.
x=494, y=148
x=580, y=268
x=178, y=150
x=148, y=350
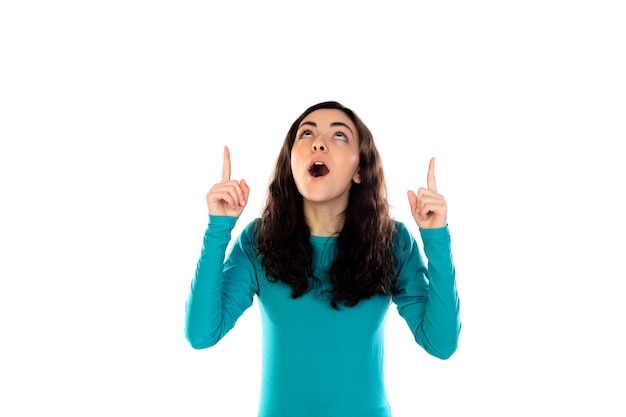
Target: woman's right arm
x=219, y=294
x=220, y=291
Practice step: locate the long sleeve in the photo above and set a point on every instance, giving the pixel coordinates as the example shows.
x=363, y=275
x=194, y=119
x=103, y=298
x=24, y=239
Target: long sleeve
x=429, y=300
x=220, y=290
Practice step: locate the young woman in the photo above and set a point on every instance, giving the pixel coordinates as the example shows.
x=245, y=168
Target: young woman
x=325, y=261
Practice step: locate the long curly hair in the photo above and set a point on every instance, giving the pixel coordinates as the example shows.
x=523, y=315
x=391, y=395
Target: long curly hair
x=365, y=264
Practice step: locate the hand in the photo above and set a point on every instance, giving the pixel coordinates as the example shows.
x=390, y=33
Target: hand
x=229, y=197
x=428, y=207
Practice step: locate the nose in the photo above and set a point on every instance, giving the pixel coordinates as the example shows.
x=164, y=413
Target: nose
x=318, y=145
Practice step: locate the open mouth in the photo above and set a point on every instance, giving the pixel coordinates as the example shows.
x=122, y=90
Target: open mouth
x=318, y=169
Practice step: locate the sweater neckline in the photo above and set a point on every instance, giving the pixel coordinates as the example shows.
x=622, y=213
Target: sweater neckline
x=322, y=239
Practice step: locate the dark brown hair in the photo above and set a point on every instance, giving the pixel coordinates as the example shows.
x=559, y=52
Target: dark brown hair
x=365, y=261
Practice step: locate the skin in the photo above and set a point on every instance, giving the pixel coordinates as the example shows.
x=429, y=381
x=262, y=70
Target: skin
x=428, y=207
x=326, y=198
x=228, y=197
x=326, y=135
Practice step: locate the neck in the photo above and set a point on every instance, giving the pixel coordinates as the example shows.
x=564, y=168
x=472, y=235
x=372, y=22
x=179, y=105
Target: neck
x=322, y=219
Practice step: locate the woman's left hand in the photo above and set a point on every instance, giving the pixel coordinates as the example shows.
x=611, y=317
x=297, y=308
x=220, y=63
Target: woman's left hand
x=428, y=207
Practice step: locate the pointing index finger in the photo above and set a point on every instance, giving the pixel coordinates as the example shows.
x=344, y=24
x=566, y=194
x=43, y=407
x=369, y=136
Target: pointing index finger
x=432, y=184
x=226, y=165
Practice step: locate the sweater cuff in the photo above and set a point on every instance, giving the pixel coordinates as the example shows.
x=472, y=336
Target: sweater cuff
x=435, y=234
x=222, y=222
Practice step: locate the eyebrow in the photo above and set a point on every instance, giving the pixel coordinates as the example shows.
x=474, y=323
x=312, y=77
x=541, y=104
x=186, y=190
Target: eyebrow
x=333, y=124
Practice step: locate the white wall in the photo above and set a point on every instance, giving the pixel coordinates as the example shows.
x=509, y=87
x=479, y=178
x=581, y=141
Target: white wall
x=112, y=120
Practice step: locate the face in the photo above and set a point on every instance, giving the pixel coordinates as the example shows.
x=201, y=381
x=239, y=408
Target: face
x=325, y=158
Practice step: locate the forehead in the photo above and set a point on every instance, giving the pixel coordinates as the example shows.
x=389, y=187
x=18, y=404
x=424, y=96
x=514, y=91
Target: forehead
x=324, y=118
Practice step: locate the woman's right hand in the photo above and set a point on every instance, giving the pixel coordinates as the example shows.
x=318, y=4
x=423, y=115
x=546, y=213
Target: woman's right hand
x=229, y=197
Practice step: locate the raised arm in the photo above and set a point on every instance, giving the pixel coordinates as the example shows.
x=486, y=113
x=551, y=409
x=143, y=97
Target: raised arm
x=429, y=301
x=220, y=291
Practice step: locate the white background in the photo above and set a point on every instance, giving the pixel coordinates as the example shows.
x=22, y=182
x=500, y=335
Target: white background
x=113, y=116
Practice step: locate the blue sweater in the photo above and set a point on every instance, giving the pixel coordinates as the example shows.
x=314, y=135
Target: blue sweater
x=318, y=361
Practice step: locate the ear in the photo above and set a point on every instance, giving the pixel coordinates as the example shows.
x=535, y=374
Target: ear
x=356, y=178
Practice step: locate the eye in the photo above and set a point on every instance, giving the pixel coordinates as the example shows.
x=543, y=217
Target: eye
x=341, y=136
x=306, y=134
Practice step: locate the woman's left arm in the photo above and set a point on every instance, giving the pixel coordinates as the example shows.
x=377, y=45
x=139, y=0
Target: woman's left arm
x=429, y=301
x=428, y=298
